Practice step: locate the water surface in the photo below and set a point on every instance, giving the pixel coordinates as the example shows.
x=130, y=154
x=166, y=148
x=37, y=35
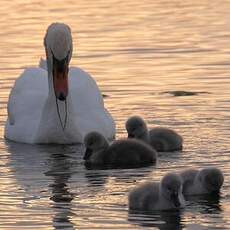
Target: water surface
x=136, y=51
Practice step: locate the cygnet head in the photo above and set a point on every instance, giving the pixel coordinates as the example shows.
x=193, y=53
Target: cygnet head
x=94, y=143
x=171, y=186
x=136, y=128
x=211, y=178
x=58, y=46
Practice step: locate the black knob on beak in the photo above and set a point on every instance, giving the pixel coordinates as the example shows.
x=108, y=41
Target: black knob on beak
x=61, y=97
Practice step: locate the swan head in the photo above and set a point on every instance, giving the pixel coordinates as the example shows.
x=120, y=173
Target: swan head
x=94, y=143
x=211, y=178
x=58, y=46
x=171, y=187
x=136, y=127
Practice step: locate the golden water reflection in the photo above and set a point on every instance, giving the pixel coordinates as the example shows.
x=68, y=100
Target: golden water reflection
x=135, y=51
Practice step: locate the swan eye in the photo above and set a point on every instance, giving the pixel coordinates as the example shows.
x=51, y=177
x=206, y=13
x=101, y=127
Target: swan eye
x=61, y=62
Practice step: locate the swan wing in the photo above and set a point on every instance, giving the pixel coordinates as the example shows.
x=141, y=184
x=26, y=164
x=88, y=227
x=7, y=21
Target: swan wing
x=91, y=115
x=25, y=104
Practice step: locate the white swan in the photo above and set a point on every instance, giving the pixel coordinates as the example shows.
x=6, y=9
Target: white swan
x=58, y=106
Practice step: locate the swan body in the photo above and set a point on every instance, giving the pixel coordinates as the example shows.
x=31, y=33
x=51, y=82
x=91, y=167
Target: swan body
x=160, y=138
x=41, y=100
x=163, y=195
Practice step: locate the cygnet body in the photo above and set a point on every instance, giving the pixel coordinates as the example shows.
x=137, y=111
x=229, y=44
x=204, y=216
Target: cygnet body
x=120, y=153
x=165, y=195
x=199, y=182
x=160, y=138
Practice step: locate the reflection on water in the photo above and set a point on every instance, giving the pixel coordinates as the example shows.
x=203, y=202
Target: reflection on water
x=205, y=207
x=33, y=164
x=164, y=220
x=136, y=51
x=61, y=196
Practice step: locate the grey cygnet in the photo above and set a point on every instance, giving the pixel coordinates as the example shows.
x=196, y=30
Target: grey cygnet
x=121, y=153
x=199, y=182
x=164, y=195
x=160, y=138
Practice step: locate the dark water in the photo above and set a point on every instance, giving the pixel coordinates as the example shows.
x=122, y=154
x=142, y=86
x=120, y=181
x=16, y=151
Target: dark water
x=136, y=51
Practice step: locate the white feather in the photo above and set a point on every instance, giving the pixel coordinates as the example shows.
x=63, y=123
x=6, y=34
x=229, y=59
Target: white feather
x=27, y=101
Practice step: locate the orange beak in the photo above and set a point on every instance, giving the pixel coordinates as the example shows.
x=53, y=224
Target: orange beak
x=60, y=78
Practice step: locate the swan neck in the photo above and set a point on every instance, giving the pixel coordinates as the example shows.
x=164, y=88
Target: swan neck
x=51, y=93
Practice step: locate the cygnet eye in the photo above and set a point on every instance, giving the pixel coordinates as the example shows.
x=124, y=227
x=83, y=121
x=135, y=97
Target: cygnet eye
x=90, y=143
x=169, y=189
x=133, y=129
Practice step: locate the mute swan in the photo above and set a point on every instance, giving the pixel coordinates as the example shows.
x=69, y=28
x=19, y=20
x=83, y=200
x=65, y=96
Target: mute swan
x=162, y=139
x=199, y=182
x=60, y=105
x=158, y=196
x=121, y=153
